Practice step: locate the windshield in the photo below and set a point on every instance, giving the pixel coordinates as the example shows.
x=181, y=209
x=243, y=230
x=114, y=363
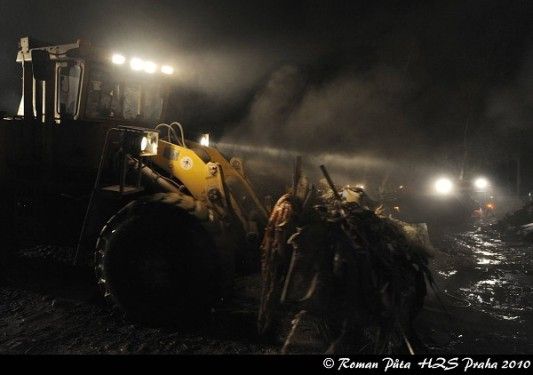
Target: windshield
x=110, y=97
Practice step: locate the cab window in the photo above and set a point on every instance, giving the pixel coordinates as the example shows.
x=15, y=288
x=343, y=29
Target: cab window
x=152, y=102
x=103, y=96
x=109, y=97
x=132, y=102
x=69, y=90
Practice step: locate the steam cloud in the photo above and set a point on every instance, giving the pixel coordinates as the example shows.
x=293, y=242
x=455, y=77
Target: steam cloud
x=372, y=89
x=354, y=122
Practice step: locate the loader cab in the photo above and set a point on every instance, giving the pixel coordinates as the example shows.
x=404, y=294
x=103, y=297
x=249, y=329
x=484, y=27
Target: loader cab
x=72, y=94
x=79, y=82
x=112, y=95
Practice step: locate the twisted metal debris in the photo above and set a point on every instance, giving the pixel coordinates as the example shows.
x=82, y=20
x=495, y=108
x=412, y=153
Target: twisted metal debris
x=352, y=279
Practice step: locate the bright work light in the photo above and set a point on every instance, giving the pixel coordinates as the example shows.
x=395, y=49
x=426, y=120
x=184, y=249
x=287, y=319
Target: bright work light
x=118, y=59
x=144, y=143
x=136, y=64
x=204, y=140
x=167, y=69
x=139, y=141
x=481, y=183
x=443, y=186
x=150, y=67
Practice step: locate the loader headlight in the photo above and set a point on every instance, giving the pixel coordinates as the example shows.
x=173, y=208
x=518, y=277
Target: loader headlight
x=443, y=186
x=144, y=143
x=149, y=142
x=139, y=141
x=204, y=140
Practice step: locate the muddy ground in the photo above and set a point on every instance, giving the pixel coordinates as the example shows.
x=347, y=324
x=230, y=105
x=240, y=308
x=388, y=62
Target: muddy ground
x=485, y=283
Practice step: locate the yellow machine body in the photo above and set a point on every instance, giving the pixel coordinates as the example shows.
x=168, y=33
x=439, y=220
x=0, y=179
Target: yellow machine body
x=203, y=171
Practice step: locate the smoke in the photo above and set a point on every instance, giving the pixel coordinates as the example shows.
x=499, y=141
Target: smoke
x=511, y=106
x=354, y=122
x=366, y=86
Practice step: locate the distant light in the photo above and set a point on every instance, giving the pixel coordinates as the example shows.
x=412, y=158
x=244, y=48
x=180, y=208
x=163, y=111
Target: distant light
x=118, y=59
x=204, y=140
x=443, y=186
x=167, y=69
x=481, y=183
x=136, y=64
x=150, y=67
x=360, y=186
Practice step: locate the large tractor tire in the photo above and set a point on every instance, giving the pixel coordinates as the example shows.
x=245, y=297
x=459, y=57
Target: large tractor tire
x=156, y=262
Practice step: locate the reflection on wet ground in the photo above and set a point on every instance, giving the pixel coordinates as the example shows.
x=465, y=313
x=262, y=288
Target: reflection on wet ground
x=486, y=285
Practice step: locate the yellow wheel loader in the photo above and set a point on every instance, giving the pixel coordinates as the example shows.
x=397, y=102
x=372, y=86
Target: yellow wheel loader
x=167, y=222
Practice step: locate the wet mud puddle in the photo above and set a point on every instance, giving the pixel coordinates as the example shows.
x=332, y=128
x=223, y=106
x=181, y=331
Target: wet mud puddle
x=486, y=286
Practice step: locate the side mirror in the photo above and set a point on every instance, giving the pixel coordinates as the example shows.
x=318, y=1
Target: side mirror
x=41, y=65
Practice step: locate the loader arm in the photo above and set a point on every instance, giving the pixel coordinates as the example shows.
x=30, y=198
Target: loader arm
x=204, y=172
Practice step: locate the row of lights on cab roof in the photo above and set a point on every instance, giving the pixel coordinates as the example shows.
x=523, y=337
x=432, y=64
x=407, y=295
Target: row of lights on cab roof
x=138, y=64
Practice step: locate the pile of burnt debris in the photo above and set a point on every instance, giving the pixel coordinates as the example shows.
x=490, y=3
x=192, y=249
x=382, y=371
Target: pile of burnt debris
x=340, y=274
x=518, y=223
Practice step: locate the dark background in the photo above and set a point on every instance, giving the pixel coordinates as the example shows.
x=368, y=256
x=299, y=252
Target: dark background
x=381, y=82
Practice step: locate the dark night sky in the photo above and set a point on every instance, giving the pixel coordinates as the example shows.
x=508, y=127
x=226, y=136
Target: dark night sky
x=321, y=75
